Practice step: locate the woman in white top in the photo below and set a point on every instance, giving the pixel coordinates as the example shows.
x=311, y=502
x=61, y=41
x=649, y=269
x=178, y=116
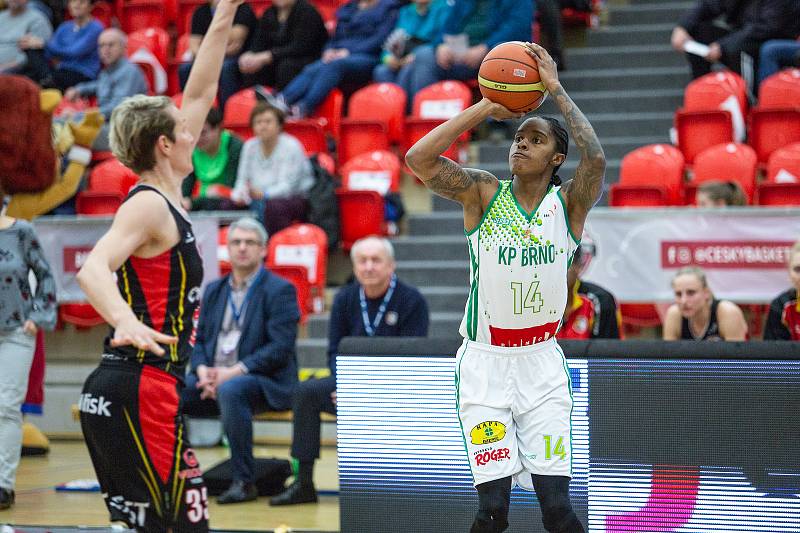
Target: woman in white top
x=274, y=173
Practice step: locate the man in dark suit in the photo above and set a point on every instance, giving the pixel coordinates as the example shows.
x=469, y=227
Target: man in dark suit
x=244, y=358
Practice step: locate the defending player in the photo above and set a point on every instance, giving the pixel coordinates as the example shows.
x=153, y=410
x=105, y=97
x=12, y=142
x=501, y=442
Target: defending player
x=512, y=382
x=129, y=407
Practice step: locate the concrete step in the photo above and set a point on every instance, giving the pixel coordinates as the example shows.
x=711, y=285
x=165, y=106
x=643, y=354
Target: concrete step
x=442, y=324
x=431, y=248
x=449, y=223
x=443, y=204
x=627, y=56
x=648, y=13
x=449, y=299
x=614, y=147
x=626, y=78
x=632, y=34
x=312, y=353
x=616, y=101
x=435, y=273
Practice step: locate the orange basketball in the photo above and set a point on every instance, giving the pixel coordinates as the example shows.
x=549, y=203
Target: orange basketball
x=509, y=76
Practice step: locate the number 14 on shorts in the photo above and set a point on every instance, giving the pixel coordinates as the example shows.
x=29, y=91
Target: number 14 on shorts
x=554, y=449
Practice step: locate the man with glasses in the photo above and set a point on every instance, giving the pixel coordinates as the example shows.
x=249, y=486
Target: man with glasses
x=244, y=358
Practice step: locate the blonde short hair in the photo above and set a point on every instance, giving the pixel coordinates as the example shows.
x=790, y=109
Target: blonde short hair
x=136, y=125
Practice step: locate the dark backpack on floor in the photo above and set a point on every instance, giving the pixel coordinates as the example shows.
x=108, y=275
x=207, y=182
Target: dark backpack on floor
x=271, y=475
x=323, y=208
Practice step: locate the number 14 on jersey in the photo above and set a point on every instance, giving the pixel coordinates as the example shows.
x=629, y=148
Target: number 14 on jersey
x=526, y=296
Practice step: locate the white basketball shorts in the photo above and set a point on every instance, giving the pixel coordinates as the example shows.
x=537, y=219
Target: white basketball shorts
x=514, y=405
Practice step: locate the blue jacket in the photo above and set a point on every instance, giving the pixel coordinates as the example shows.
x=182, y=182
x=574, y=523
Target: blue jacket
x=511, y=20
x=269, y=331
x=363, y=32
x=77, y=50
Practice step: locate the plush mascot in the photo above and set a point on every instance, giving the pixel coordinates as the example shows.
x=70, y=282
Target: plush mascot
x=41, y=166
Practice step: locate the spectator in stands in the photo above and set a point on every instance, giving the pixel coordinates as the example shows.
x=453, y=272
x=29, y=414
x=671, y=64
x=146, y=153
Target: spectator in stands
x=591, y=311
x=25, y=30
x=274, y=174
x=730, y=28
x=719, y=194
x=119, y=79
x=549, y=16
x=470, y=31
x=244, y=26
x=419, y=24
x=216, y=161
x=783, y=321
x=21, y=315
x=697, y=315
x=361, y=28
x=376, y=304
x=290, y=35
x=71, y=52
x=244, y=357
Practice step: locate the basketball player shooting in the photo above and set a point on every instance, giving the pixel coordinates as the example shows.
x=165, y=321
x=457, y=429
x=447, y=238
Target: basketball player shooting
x=148, y=474
x=512, y=381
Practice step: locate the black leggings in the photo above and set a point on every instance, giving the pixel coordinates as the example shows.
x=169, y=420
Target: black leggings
x=494, y=499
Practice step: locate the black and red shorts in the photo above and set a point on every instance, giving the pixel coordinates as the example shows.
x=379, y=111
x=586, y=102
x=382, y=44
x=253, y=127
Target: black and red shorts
x=149, y=476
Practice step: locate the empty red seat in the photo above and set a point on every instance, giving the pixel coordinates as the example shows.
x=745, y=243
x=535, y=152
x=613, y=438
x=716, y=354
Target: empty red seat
x=223, y=255
x=442, y=100
x=139, y=14
x=779, y=194
x=297, y=275
x=771, y=129
x=310, y=132
x=358, y=137
x=361, y=214
x=236, y=116
x=780, y=91
x=147, y=48
x=330, y=111
x=378, y=170
x=304, y=245
x=620, y=195
x=656, y=167
x=698, y=130
x=639, y=315
x=382, y=102
x=112, y=177
x=80, y=314
x=727, y=163
x=784, y=165
x=92, y=203
x=714, y=91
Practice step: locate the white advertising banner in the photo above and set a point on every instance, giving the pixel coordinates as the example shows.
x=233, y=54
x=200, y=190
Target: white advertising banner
x=744, y=251
x=67, y=241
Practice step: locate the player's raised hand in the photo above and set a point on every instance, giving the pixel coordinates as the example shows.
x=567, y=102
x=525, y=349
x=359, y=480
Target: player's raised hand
x=131, y=332
x=548, y=71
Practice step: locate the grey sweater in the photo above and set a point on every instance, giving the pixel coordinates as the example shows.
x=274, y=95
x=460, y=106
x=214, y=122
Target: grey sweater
x=20, y=252
x=114, y=83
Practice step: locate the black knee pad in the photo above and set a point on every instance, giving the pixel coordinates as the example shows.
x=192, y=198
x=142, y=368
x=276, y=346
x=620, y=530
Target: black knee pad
x=494, y=500
x=557, y=513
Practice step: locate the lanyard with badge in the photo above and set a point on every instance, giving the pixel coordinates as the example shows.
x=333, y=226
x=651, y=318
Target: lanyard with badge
x=370, y=328
x=231, y=337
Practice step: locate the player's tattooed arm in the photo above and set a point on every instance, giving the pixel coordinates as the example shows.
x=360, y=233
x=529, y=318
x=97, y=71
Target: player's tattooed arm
x=585, y=189
x=453, y=182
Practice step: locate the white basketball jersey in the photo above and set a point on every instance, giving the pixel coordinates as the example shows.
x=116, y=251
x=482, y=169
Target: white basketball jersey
x=518, y=270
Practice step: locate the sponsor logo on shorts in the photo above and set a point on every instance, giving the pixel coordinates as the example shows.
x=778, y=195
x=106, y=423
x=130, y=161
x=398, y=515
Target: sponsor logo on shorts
x=487, y=432
x=484, y=457
x=135, y=512
x=94, y=406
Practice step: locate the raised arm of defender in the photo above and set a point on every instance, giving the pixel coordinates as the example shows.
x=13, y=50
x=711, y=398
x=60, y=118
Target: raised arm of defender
x=585, y=188
x=472, y=188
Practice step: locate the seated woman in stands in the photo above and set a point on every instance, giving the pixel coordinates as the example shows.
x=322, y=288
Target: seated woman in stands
x=719, y=194
x=697, y=315
x=783, y=321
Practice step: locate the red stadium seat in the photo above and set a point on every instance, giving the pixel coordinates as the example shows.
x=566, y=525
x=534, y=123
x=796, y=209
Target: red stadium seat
x=327, y=8
x=698, y=130
x=80, y=314
x=140, y=14
x=184, y=17
x=358, y=137
x=148, y=49
x=417, y=128
x=310, y=132
x=383, y=102
x=656, y=166
x=784, y=165
x=442, y=100
x=713, y=90
x=182, y=55
x=101, y=10
x=639, y=315
x=297, y=275
x=236, y=116
x=112, y=177
x=305, y=245
x=92, y=203
x=620, y=195
x=727, y=162
x=259, y=6
x=779, y=194
x=223, y=256
x=361, y=214
x=330, y=111
x=780, y=91
x=378, y=171
x=771, y=129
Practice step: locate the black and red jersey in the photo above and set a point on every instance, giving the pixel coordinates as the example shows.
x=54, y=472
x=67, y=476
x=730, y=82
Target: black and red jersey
x=594, y=314
x=783, y=321
x=163, y=292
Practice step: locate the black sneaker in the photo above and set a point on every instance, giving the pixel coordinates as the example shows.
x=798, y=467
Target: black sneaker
x=6, y=498
x=294, y=494
x=238, y=492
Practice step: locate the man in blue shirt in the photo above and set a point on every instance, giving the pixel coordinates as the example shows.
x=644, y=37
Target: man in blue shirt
x=376, y=304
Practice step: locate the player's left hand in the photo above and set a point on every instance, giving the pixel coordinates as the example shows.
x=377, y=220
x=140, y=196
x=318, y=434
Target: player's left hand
x=548, y=71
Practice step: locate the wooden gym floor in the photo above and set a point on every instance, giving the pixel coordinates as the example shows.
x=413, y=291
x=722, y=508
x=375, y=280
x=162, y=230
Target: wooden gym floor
x=37, y=503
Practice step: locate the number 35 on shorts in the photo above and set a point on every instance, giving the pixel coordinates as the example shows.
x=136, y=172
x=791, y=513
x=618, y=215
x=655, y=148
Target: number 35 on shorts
x=554, y=448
